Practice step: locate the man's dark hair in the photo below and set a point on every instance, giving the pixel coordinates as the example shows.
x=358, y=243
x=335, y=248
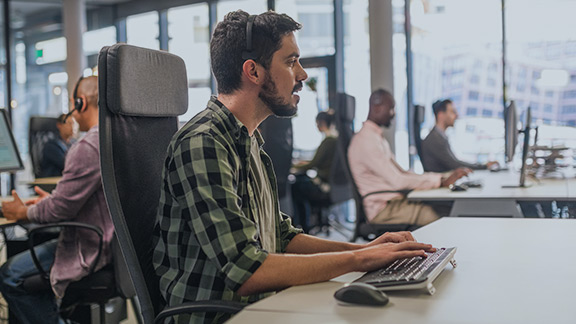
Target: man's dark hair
x=325, y=117
x=440, y=105
x=229, y=41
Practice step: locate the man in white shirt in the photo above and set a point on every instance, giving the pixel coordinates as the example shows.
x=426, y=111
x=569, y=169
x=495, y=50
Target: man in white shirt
x=374, y=168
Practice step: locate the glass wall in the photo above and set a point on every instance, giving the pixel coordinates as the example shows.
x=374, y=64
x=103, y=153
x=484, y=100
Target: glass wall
x=142, y=30
x=541, y=69
x=453, y=57
x=188, y=30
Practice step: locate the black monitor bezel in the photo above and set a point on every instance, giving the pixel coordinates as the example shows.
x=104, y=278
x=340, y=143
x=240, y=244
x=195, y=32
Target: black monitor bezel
x=13, y=142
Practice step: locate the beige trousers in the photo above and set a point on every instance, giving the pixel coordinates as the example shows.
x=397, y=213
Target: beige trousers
x=402, y=211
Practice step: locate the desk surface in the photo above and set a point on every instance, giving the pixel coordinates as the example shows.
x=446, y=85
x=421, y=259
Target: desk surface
x=509, y=271
x=544, y=189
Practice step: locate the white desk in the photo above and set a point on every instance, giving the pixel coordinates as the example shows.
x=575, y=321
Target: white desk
x=494, y=200
x=509, y=271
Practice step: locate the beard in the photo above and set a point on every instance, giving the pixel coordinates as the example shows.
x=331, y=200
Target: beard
x=277, y=105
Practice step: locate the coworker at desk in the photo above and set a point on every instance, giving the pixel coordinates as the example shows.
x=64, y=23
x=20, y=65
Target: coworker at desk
x=55, y=150
x=306, y=190
x=220, y=234
x=374, y=169
x=78, y=196
x=437, y=156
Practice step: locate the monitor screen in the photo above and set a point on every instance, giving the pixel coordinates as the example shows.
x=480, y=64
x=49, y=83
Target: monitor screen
x=9, y=155
x=510, y=131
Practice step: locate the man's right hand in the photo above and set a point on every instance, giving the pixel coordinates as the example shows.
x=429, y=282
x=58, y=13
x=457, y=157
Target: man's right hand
x=457, y=174
x=381, y=255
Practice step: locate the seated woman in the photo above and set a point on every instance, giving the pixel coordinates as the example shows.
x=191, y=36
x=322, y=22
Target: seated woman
x=307, y=191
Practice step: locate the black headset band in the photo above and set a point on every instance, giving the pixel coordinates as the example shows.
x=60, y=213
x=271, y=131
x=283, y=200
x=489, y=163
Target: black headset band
x=247, y=54
x=75, y=93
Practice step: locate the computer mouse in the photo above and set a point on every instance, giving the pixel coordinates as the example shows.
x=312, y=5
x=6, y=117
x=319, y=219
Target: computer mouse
x=455, y=187
x=358, y=293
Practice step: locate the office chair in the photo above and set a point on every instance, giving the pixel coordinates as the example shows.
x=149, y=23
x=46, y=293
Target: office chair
x=345, y=111
x=142, y=93
x=417, y=126
x=98, y=287
x=41, y=130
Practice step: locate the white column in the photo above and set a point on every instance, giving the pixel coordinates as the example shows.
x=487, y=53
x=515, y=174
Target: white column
x=381, y=60
x=74, y=19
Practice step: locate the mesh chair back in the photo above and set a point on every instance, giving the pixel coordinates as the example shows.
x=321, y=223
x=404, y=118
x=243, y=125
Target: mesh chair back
x=141, y=93
x=41, y=130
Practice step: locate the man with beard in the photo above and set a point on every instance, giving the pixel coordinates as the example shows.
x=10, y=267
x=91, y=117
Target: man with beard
x=220, y=233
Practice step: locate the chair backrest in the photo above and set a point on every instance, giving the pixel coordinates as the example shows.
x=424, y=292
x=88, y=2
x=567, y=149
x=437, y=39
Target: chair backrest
x=418, y=120
x=40, y=131
x=141, y=94
x=345, y=112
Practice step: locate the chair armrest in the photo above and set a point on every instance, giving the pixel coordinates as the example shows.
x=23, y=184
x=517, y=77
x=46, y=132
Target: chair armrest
x=404, y=192
x=220, y=306
x=40, y=228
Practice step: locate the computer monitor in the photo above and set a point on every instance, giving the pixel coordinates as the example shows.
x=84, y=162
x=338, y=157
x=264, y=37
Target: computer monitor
x=510, y=131
x=9, y=156
x=525, y=146
x=525, y=150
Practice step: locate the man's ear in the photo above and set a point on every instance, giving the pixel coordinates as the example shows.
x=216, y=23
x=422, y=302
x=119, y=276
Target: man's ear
x=252, y=71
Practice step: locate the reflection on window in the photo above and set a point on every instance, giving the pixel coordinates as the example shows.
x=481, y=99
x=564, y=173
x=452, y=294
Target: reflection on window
x=317, y=35
x=142, y=30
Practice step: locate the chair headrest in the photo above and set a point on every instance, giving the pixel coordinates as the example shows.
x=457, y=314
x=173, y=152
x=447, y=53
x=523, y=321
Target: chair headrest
x=137, y=81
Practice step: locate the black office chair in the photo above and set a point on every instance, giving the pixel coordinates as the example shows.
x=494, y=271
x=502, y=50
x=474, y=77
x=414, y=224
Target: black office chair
x=345, y=111
x=142, y=93
x=417, y=126
x=98, y=287
x=41, y=130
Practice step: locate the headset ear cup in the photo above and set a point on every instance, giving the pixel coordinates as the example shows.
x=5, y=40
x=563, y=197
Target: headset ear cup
x=78, y=103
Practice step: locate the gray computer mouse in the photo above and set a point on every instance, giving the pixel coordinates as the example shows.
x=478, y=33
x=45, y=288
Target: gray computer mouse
x=358, y=293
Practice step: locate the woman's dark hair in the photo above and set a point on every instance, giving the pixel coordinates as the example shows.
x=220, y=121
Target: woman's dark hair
x=325, y=117
x=229, y=41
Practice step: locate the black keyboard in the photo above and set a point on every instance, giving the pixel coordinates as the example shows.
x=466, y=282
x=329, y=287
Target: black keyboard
x=411, y=273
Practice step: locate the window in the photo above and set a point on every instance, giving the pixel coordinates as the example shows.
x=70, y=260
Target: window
x=471, y=111
x=473, y=95
x=486, y=113
x=569, y=94
x=317, y=35
x=188, y=31
x=142, y=30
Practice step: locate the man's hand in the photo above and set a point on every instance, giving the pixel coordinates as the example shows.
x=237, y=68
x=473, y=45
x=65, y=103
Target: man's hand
x=391, y=237
x=492, y=165
x=379, y=256
x=41, y=195
x=457, y=174
x=16, y=209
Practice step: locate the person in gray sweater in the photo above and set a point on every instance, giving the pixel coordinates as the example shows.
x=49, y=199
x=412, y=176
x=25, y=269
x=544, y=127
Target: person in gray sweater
x=437, y=156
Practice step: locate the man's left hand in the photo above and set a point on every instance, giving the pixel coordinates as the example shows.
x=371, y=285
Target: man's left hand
x=392, y=237
x=16, y=209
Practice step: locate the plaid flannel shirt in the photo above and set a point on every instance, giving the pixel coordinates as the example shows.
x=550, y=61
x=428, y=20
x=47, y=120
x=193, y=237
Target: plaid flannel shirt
x=207, y=240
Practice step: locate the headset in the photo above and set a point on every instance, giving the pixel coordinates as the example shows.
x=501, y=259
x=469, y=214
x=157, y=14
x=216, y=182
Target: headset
x=78, y=102
x=248, y=54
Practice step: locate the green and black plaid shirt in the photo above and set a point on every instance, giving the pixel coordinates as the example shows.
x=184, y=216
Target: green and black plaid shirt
x=207, y=240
